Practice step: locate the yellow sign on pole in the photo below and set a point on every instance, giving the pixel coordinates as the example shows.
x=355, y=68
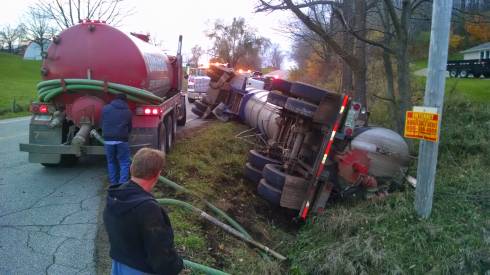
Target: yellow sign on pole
x=422, y=125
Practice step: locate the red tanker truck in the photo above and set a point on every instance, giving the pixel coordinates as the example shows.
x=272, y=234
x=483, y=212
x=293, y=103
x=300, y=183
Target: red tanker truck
x=85, y=67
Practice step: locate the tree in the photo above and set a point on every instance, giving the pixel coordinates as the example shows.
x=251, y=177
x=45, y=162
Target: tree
x=66, y=13
x=275, y=56
x=9, y=35
x=313, y=15
x=236, y=43
x=37, y=28
x=393, y=41
x=196, y=53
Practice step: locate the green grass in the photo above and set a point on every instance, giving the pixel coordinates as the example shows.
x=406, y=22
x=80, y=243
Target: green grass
x=386, y=236
x=18, y=79
x=422, y=63
x=477, y=90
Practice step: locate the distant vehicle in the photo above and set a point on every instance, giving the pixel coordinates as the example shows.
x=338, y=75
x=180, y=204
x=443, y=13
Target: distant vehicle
x=466, y=68
x=197, y=84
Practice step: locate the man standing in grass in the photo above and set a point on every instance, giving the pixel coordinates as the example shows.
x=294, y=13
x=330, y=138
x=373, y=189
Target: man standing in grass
x=116, y=127
x=140, y=234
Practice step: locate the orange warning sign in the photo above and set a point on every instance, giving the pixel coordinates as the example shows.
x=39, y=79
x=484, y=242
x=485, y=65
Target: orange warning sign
x=422, y=125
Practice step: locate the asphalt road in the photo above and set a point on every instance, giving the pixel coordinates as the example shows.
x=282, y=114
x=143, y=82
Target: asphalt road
x=48, y=217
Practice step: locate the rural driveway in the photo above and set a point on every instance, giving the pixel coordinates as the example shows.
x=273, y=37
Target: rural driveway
x=48, y=217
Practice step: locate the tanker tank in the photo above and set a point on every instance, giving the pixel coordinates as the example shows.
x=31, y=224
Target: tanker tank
x=95, y=50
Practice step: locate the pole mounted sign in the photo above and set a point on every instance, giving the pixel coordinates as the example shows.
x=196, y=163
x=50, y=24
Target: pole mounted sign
x=422, y=123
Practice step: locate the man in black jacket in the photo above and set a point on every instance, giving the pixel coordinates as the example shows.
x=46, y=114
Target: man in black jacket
x=116, y=127
x=139, y=230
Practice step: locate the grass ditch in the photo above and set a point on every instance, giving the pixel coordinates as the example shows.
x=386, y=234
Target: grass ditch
x=210, y=162
x=353, y=236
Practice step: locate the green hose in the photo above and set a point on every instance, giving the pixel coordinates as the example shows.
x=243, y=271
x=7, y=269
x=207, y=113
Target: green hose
x=203, y=268
x=49, y=89
x=228, y=229
x=215, y=209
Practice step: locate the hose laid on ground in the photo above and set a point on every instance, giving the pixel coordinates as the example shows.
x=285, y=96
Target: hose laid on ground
x=203, y=268
x=225, y=227
x=49, y=89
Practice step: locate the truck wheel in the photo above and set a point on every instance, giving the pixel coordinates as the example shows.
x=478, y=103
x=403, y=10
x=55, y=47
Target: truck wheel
x=191, y=100
x=307, y=92
x=182, y=114
x=274, y=175
x=201, y=106
x=66, y=161
x=251, y=173
x=463, y=74
x=486, y=75
x=276, y=98
x=161, y=139
x=197, y=112
x=453, y=73
x=477, y=75
x=269, y=193
x=169, y=127
x=300, y=107
x=258, y=160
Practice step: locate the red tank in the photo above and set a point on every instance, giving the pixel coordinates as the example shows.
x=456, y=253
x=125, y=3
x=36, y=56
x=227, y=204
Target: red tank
x=95, y=50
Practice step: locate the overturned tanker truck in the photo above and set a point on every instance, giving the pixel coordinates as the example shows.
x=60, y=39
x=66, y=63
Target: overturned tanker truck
x=314, y=143
x=85, y=67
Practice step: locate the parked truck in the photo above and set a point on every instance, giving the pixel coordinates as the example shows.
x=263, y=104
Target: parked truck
x=467, y=68
x=85, y=67
x=197, y=84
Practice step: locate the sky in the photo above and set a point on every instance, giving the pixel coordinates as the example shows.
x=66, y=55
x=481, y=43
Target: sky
x=165, y=20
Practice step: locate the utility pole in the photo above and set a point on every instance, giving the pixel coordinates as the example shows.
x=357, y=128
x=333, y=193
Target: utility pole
x=434, y=97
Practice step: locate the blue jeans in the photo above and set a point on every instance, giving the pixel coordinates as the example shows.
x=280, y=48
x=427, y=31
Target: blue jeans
x=118, y=162
x=122, y=269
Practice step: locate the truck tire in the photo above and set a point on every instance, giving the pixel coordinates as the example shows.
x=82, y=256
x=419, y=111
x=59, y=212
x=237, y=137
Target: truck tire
x=307, y=92
x=197, y=112
x=191, y=100
x=300, y=107
x=463, y=74
x=161, y=139
x=269, y=193
x=276, y=98
x=453, y=73
x=251, y=173
x=170, y=134
x=201, y=106
x=274, y=175
x=182, y=113
x=65, y=161
x=258, y=160
x=477, y=75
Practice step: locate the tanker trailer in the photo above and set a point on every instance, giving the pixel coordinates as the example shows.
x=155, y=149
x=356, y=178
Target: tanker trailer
x=315, y=142
x=85, y=67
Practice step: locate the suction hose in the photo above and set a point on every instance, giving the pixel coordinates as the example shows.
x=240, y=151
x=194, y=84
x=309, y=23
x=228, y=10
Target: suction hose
x=225, y=227
x=49, y=89
x=203, y=268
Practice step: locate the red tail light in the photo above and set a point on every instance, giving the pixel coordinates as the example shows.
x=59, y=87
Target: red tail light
x=39, y=108
x=148, y=110
x=43, y=109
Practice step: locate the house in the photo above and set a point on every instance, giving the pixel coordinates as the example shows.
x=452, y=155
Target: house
x=481, y=51
x=33, y=51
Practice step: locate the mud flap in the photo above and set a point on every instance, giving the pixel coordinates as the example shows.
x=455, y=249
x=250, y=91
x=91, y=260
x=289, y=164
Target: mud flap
x=44, y=135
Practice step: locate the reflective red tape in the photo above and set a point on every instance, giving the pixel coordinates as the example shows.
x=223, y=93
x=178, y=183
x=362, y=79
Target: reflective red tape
x=332, y=136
